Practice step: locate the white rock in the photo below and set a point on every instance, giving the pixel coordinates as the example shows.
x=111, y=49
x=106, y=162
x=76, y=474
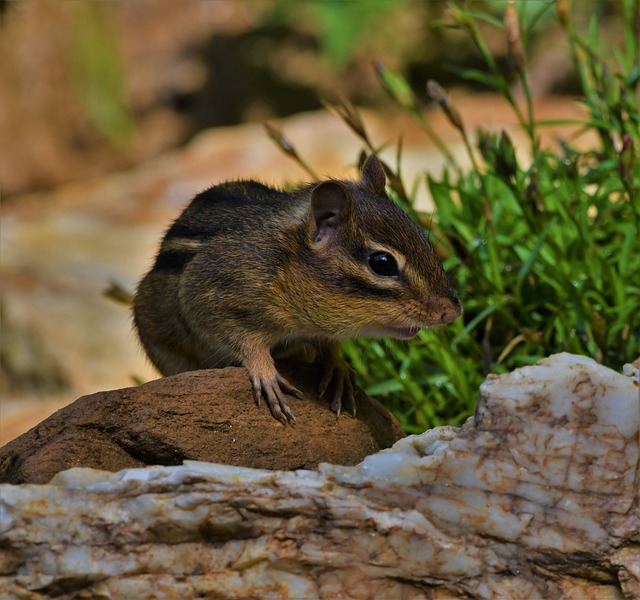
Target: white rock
x=537, y=496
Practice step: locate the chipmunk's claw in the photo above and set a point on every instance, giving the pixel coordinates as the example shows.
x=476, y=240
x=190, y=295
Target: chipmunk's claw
x=272, y=390
x=343, y=379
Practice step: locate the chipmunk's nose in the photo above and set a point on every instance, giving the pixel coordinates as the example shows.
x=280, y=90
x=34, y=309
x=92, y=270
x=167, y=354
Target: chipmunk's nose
x=451, y=309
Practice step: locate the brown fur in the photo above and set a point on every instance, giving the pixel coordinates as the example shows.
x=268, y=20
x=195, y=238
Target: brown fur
x=247, y=269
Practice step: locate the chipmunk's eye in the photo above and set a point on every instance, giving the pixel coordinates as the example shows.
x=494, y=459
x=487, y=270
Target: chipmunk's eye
x=383, y=264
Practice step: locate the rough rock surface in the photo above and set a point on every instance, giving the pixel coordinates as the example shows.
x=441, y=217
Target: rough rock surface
x=201, y=415
x=535, y=497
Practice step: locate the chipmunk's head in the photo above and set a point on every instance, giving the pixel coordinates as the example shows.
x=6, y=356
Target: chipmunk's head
x=375, y=261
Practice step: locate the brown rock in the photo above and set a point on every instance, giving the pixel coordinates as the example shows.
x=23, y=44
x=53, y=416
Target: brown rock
x=201, y=415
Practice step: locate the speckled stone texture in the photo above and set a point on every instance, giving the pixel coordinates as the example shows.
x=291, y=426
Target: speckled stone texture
x=535, y=497
x=201, y=415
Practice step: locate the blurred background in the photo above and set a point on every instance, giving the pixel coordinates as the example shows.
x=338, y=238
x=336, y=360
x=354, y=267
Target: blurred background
x=115, y=113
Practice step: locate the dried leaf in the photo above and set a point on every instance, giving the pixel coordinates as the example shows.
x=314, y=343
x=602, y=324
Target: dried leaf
x=118, y=293
x=439, y=94
x=514, y=41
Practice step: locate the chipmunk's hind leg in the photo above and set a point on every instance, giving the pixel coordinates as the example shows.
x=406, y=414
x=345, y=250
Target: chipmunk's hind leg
x=165, y=338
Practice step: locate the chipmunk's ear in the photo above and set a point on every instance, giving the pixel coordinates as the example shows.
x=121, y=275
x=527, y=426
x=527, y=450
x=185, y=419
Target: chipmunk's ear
x=373, y=174
x=330, y=206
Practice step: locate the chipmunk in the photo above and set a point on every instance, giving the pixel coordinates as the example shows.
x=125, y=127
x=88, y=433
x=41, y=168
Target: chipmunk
x=247, y=270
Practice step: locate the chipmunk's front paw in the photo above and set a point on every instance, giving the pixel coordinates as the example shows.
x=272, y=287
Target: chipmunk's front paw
x=338, y=373
x=272, y=390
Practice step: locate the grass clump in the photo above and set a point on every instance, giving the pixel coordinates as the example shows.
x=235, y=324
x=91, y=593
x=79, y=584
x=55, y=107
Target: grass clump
x=546, y=252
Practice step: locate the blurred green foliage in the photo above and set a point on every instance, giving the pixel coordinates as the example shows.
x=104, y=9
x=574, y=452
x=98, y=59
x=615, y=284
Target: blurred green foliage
x=98, y=70
x=546, y=252
x=341, y=25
